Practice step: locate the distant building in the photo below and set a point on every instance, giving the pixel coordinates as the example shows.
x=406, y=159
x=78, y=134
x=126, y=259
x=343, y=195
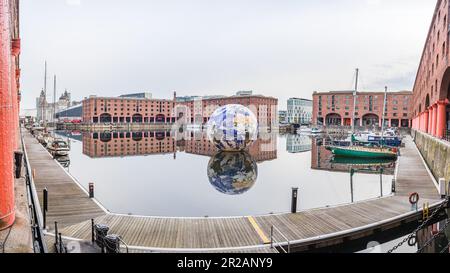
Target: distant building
x=72, y=113
x=138, y=96
x=336, y=108
x=127, y=109
x=45, y=111
x=199, y=109
x=192, y=109
x=244, y=93
x=299, y=111
x=282, y=116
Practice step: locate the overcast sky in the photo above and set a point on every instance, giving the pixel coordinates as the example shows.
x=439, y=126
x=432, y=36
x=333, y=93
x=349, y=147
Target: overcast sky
x=281, y=48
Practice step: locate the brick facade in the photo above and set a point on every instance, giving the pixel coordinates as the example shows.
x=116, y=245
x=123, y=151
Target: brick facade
x=431, y=89
x=136, y=110
x=336, y=108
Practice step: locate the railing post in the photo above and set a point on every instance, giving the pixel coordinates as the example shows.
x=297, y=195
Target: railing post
x=271, y=237
x=45, y=209
x=56, y=235
x=60, y=243
x=92, y=231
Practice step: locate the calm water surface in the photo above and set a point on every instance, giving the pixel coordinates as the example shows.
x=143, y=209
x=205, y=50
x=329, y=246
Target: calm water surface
x=153, y=174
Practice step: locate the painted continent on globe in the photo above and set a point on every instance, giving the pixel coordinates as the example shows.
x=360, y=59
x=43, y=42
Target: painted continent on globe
x=232, y=128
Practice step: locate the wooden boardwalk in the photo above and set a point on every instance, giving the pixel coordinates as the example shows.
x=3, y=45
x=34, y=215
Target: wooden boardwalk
x=71, y=207
x=68, y=203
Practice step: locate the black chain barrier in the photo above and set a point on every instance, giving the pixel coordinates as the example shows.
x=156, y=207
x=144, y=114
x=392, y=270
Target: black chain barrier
x=432, y=239
x=425, y=223
x=445, y=249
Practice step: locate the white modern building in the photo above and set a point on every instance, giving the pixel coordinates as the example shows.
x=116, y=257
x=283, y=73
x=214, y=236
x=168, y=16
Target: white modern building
x=299, y=111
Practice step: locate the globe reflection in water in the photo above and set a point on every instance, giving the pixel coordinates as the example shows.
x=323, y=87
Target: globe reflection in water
x=232, y=128
x=232, y=173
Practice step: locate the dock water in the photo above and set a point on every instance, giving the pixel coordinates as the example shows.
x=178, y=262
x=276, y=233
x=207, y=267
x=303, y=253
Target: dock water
x=71, y=207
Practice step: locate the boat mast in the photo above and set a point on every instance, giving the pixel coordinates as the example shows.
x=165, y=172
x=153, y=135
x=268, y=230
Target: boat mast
x=384, y=114
x=54, y=101
x=45, y=97
x=354, y=100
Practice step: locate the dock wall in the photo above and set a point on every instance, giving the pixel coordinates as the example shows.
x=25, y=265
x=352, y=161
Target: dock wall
x=436, y=153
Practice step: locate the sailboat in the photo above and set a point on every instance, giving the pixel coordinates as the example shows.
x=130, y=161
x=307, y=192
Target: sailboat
x=364, y=151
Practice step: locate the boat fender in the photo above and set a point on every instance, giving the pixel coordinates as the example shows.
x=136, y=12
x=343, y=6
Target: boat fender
x=412, y=241
x=414, y=198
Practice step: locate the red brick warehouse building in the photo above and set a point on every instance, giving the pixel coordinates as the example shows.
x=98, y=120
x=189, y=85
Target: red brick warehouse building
x=127, y=109
x=431, y=89
x=139, y=109
x=336, y=108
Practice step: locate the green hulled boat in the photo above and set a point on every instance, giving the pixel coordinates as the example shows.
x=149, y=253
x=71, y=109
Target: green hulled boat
x=362, y=161
x=363, y=152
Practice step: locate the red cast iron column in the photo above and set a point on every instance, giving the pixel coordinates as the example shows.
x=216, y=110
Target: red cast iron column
x=7, y=214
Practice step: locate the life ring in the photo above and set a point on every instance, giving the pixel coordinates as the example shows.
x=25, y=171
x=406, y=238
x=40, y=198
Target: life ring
x=414, y=198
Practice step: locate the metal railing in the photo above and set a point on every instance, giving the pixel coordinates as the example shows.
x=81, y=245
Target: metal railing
x=447, y=135
x=276, y=244
x=36, y=217
x=60, y=246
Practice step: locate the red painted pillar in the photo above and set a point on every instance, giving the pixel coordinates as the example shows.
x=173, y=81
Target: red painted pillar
x=7, y=214
x=441, y=119
x=433, y=119
x=429, y=120
x=420, y=122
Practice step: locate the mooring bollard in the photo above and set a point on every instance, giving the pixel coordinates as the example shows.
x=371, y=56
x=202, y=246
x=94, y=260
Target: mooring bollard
x=294, y=200
x=45, y=201
x=91, y=190
x=18, y=156
x=443, y=188
x=92, y=231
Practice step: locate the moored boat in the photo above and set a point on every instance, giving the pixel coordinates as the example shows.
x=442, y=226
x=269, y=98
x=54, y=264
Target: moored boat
x=363, y=152
x=58, y=147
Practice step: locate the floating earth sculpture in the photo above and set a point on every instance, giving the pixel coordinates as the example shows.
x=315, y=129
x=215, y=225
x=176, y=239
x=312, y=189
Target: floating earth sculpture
x=232, y=128
x=232, y=173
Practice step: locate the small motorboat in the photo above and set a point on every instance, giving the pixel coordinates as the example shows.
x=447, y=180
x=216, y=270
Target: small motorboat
x=63, y=160
x=44, y=138
x=58, y=147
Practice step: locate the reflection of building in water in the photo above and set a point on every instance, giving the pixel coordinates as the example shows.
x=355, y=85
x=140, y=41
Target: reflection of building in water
x=119, y=144
x=322, y=159
x=261, y=150
x=298, y=143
